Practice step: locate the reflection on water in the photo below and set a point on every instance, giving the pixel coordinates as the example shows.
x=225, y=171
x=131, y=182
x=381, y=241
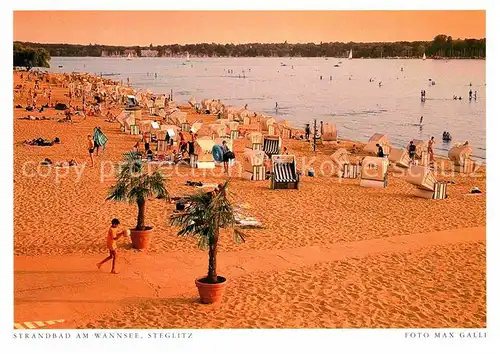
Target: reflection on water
x=352, y=99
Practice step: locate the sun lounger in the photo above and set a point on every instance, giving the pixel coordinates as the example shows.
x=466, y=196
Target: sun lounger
x=426, y=184
x=374, y=172
x=134, y=130
x=203, y=151
x=421, y=177
x=246, y=221
x=400, y=157
x=468, y=166
x=329, y=132
x=161, y=145
x=284, y=172
x=351, y=171
x=253, y=165
x=371, y=146
x=208, y=185
x=255, y=140
x=272, y=145
x=438, y=192
x=460, y=155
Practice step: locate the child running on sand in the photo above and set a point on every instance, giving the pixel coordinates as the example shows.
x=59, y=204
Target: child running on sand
x=113, y=236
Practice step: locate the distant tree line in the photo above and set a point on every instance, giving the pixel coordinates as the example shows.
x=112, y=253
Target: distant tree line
x=30, y=57
x=442, y=46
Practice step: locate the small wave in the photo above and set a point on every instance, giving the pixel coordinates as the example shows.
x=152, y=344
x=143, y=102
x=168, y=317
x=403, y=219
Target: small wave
x=359, y=113
x=411, y=125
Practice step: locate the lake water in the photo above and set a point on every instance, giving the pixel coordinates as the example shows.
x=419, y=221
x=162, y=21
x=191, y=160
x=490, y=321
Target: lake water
x=359, y=107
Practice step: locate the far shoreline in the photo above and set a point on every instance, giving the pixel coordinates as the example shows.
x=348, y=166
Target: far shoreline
x=261, y=57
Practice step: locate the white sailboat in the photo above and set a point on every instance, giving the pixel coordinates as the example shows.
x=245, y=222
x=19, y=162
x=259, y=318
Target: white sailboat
x=423, y=57
x=187, y=56
x=129, y=57
x=350, y=54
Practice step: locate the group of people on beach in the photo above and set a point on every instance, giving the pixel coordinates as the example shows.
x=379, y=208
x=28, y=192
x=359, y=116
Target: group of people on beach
x=412, y=150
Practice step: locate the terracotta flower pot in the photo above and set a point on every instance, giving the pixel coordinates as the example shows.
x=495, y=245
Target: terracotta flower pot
x=141, y=238
x=210, y=293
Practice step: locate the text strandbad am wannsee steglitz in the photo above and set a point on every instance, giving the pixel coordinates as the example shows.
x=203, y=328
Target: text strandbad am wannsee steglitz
x=102, y=335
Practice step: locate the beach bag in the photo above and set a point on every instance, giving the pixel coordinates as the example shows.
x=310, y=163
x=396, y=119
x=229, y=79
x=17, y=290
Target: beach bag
x=230, y=155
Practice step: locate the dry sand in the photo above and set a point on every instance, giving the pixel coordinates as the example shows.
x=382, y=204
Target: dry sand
x=64, y=212
x=436, y=287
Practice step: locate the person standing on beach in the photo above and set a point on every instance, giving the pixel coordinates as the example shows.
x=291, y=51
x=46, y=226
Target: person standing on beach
x=380, y=152
x=191, y=145
x=90, y=143
x=430, y=149
x=421, y=119
x=411, y=151
x=145, y=137
x=225, y=156
x=113, y=236
x=307, y=131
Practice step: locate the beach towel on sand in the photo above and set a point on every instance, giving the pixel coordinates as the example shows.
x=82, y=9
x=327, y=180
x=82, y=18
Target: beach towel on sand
x=99, y=137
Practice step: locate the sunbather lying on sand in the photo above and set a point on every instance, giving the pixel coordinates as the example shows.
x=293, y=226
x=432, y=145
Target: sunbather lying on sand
x=110, y=118
x=194, y=184
x=41, y=142
x=35, y=118
x=48, y=162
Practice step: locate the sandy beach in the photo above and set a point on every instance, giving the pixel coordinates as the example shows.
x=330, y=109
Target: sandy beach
x=62, y=214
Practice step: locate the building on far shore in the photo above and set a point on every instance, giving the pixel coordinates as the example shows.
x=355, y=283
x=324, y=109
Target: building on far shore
x=132, y=52
x=105, y=53
x=149, y=53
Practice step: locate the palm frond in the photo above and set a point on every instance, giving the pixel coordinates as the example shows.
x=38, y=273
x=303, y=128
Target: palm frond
x=239, y=236
x=134, y=183
x=200, y=213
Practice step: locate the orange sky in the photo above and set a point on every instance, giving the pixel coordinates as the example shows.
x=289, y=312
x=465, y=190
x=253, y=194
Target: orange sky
x=169, y=27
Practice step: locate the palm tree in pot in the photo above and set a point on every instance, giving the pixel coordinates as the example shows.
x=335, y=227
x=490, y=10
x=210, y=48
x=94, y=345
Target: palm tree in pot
x=135, y=184
x=203, y=217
